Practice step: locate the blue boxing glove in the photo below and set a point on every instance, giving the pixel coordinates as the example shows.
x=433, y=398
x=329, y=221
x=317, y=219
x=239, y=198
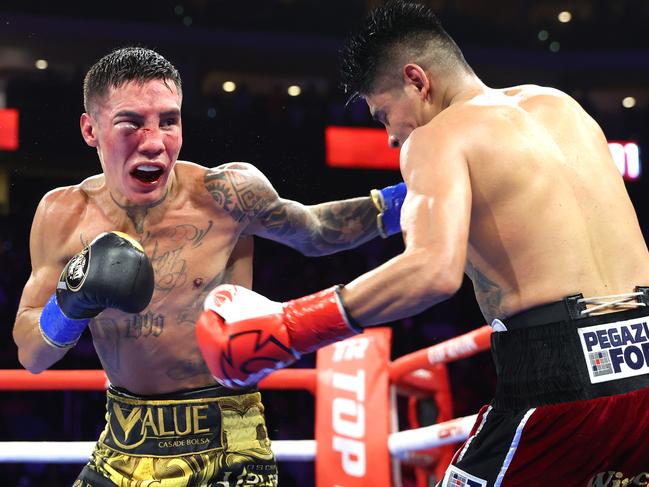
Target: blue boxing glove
x=388, y=202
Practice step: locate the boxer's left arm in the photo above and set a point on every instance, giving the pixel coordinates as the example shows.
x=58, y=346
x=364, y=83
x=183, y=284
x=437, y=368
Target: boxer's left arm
x=436, y=217
x=320, y=229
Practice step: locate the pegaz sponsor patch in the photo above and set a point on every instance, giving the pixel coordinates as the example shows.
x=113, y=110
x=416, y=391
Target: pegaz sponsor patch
x=616, y=350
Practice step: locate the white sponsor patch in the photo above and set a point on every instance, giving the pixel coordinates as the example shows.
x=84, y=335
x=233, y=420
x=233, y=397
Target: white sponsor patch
x=456, y=477
x=616, y=350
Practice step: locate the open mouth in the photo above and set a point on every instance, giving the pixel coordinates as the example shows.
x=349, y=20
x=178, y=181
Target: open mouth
x=147, y=173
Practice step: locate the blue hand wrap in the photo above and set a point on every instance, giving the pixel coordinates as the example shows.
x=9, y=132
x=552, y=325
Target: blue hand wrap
x=57, y=329
x=393, y=197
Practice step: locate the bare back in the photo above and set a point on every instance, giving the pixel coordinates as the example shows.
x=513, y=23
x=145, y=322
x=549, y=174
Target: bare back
x=550, y=215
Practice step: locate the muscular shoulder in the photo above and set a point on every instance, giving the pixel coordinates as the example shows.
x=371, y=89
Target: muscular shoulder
x=486, y=121
x=56, y=219
x=445, y=133
x=63, y=204
x=239, y=170
x=502, y=106
x=240, y=189
x=533, y=98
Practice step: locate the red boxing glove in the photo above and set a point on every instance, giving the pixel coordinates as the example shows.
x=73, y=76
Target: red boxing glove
x=244, y=336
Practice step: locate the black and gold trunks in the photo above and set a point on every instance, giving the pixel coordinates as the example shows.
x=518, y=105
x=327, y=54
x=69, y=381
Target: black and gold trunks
x=197, y=437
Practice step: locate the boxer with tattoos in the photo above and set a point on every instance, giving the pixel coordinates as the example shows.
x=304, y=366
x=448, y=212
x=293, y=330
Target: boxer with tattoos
x=132, y=253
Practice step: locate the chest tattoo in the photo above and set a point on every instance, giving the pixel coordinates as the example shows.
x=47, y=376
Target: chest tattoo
x=144, y=325
x=170, y=265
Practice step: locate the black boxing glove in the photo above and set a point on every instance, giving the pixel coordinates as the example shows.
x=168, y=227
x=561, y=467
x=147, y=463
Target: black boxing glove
x=112, y=272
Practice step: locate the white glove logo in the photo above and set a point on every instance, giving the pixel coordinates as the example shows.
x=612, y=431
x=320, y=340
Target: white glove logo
x=236, y=303
x=75, y=273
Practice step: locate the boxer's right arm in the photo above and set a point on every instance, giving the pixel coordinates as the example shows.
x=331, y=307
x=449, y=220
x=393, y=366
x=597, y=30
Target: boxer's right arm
x=34, y=353
x=112, y=272
x=46, y=244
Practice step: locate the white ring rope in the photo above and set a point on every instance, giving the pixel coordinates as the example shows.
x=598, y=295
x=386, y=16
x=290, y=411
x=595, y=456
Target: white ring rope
x=400, y=445
x=79, y=451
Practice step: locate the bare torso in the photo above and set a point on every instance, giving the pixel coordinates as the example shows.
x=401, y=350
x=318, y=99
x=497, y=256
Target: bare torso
x=550, y=215
x=197, y=234
x=195, y=247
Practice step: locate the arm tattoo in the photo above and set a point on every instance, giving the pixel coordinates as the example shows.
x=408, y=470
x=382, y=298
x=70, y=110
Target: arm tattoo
x=321, y=229
x=240, y=190
x=487, y=293
x=324, y=228
x=348, y=222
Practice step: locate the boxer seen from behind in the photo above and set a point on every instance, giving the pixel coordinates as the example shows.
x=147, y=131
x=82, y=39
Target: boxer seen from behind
x=515, y=187
x=131, y=253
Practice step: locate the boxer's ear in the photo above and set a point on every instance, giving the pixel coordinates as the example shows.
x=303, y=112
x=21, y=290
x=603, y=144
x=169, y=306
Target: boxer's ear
x=88, y=129
x=415, y=76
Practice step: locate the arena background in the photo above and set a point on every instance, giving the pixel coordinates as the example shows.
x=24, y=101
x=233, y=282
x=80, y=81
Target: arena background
x=601, y=57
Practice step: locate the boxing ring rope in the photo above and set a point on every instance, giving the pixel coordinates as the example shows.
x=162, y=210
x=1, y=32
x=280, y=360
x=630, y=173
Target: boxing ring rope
x=456, y=348
x=79, y=451
x=410, y=372
x=96, y=380
x=399, y=444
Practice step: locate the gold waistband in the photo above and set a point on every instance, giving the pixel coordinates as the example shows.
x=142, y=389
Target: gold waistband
x=175, y=425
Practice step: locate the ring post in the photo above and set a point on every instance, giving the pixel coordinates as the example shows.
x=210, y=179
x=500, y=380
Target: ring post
x=353, y=412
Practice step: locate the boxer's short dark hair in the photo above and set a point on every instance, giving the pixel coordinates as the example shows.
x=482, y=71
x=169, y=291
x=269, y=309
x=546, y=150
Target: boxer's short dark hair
x=397, y=31
x=123, y=65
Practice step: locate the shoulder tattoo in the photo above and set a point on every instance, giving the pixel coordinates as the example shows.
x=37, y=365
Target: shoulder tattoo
x=239, y=189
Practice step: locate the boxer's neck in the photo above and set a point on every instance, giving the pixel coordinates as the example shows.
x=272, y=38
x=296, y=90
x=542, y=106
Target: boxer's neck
x=149, y=213
x=463, y=88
